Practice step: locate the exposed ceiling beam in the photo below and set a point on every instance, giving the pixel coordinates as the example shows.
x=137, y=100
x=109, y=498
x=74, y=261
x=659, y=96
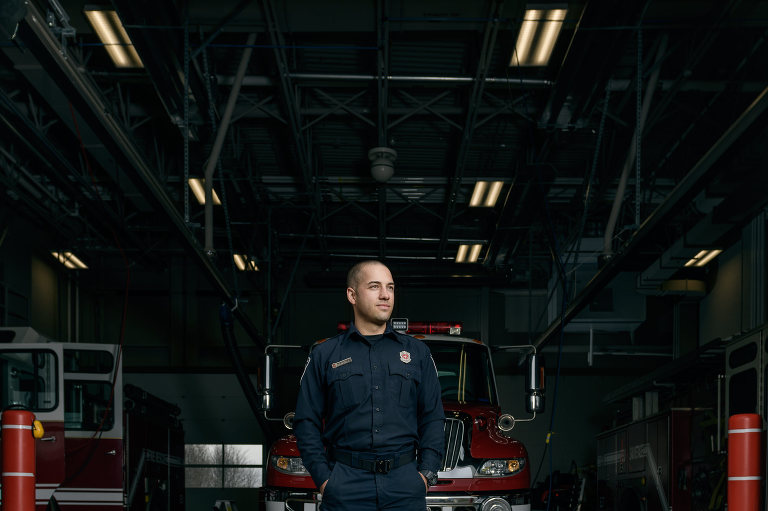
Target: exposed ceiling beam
x=291, y=103
x=92, y=98
x=691, y=184
x=475, y=100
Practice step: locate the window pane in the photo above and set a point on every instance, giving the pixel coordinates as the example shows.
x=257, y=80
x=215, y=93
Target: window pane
x=242, y=454
x=88, y=361
x=242, y=477
x=464, y=372
x=86, y=403
x=202, y=454
x=28, y=378
x=202, y=477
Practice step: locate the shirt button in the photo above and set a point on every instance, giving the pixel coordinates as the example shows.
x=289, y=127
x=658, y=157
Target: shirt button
x=374, y=366
x=378, y=409
x=377, y=430
x=376, y=387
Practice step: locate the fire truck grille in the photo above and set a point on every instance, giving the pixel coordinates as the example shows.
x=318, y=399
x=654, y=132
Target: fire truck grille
x=454, y=434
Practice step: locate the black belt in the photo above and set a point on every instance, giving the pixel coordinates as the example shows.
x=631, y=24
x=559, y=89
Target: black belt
x=371, y=462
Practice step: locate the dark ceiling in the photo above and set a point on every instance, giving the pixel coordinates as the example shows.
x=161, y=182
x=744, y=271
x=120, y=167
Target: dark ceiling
x=99, y=156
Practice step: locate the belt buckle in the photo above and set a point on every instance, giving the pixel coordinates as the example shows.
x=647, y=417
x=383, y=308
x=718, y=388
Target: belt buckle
x=383, y=466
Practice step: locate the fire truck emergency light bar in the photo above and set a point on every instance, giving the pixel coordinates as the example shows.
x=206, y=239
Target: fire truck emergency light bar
x=416, y=327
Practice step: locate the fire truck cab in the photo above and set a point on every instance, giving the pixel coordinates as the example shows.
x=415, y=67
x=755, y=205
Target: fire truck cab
x=104, y=447
x=483, y=468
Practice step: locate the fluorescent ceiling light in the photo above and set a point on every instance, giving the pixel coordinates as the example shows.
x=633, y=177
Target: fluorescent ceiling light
x=703, y=257
x=461, y=255
x=537, y=36
x=107, y=25
x=69, y=260
x=468, y=253
x=197, y=186
x=245, y=263
x=474, y=253
x=485, y=194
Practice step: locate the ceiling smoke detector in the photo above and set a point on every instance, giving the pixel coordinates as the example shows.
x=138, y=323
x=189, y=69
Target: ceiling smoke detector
x=382, y=163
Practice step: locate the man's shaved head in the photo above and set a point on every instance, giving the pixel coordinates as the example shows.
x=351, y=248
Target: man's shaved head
x=353, y=276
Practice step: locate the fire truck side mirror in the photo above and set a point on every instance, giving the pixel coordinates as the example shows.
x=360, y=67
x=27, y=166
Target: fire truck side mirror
x=266, y=400
x=534, y=384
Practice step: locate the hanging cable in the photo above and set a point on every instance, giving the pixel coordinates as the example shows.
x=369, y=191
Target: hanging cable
x=123, y=320
x=558, y=262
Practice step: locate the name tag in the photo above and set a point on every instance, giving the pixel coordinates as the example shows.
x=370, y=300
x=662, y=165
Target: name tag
x=341, y=362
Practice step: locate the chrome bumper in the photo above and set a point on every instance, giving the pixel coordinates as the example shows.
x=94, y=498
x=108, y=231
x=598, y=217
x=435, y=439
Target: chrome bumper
x=449, y=502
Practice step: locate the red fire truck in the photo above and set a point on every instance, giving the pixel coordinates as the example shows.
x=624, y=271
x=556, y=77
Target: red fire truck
x=483, y=468
x=104, y=447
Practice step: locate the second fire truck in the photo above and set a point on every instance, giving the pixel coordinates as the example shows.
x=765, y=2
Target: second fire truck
x=105, y=447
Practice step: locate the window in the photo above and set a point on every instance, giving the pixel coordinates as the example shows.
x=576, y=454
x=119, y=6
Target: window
x=223, y=465
x=87, y=405
x=464, y=371
x=28, y=378
x=88, y=361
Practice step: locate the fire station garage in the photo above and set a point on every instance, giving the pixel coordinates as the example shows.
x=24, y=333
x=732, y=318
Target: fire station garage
x=570, y=196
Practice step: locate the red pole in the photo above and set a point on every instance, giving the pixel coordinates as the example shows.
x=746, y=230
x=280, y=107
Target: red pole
x=18, y=476
x=744, y=462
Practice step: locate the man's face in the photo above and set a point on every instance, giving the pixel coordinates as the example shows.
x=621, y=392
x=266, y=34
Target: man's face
x=373, y=298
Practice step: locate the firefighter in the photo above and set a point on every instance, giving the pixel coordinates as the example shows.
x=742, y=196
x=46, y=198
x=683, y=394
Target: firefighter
x=369, y=418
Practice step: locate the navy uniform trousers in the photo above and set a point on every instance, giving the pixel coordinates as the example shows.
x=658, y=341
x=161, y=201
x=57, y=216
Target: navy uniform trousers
x=355, y=489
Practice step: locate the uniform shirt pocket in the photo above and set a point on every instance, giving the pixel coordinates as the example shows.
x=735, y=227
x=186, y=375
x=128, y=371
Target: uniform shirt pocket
x=348, y=386
x=403, y=380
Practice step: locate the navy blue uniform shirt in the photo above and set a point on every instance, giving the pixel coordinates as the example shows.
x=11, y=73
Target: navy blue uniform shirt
x=381, y=397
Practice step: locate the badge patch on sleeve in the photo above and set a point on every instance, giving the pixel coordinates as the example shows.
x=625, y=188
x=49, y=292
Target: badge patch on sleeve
x=341, y=362
x=405, y=357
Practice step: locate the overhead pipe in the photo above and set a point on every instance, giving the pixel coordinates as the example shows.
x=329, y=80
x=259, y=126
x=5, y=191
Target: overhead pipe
x=265, y=81
x=684, y=191
x=218, y=143
x=628, y=163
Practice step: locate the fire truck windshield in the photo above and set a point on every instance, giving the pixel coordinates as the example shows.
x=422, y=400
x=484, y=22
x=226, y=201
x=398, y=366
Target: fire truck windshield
x=464, y=371
x=28, y=378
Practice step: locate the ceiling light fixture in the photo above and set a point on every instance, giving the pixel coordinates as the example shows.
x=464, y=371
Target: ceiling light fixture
x=382, y=163
x=485, y=194
x=702, y=258
x=107, y=25
x=197, y=186
x=69, y=260
x=468, y=253
x=245, y=263
x=537, y=36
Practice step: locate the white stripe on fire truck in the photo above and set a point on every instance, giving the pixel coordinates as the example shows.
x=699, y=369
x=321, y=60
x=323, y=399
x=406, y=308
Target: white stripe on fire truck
x=16, y=426
x=18, y=474
x=43, y=495
x=89, y=496
x=117, y=505
x=745, y=430
x=745, y=478
x=79, y=489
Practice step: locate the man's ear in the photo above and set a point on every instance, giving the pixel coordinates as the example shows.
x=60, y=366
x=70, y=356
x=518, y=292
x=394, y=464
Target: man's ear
x=351, y=295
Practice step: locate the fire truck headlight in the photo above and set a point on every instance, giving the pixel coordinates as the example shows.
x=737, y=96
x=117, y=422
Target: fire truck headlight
x=288, y=465
x=506, y=467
